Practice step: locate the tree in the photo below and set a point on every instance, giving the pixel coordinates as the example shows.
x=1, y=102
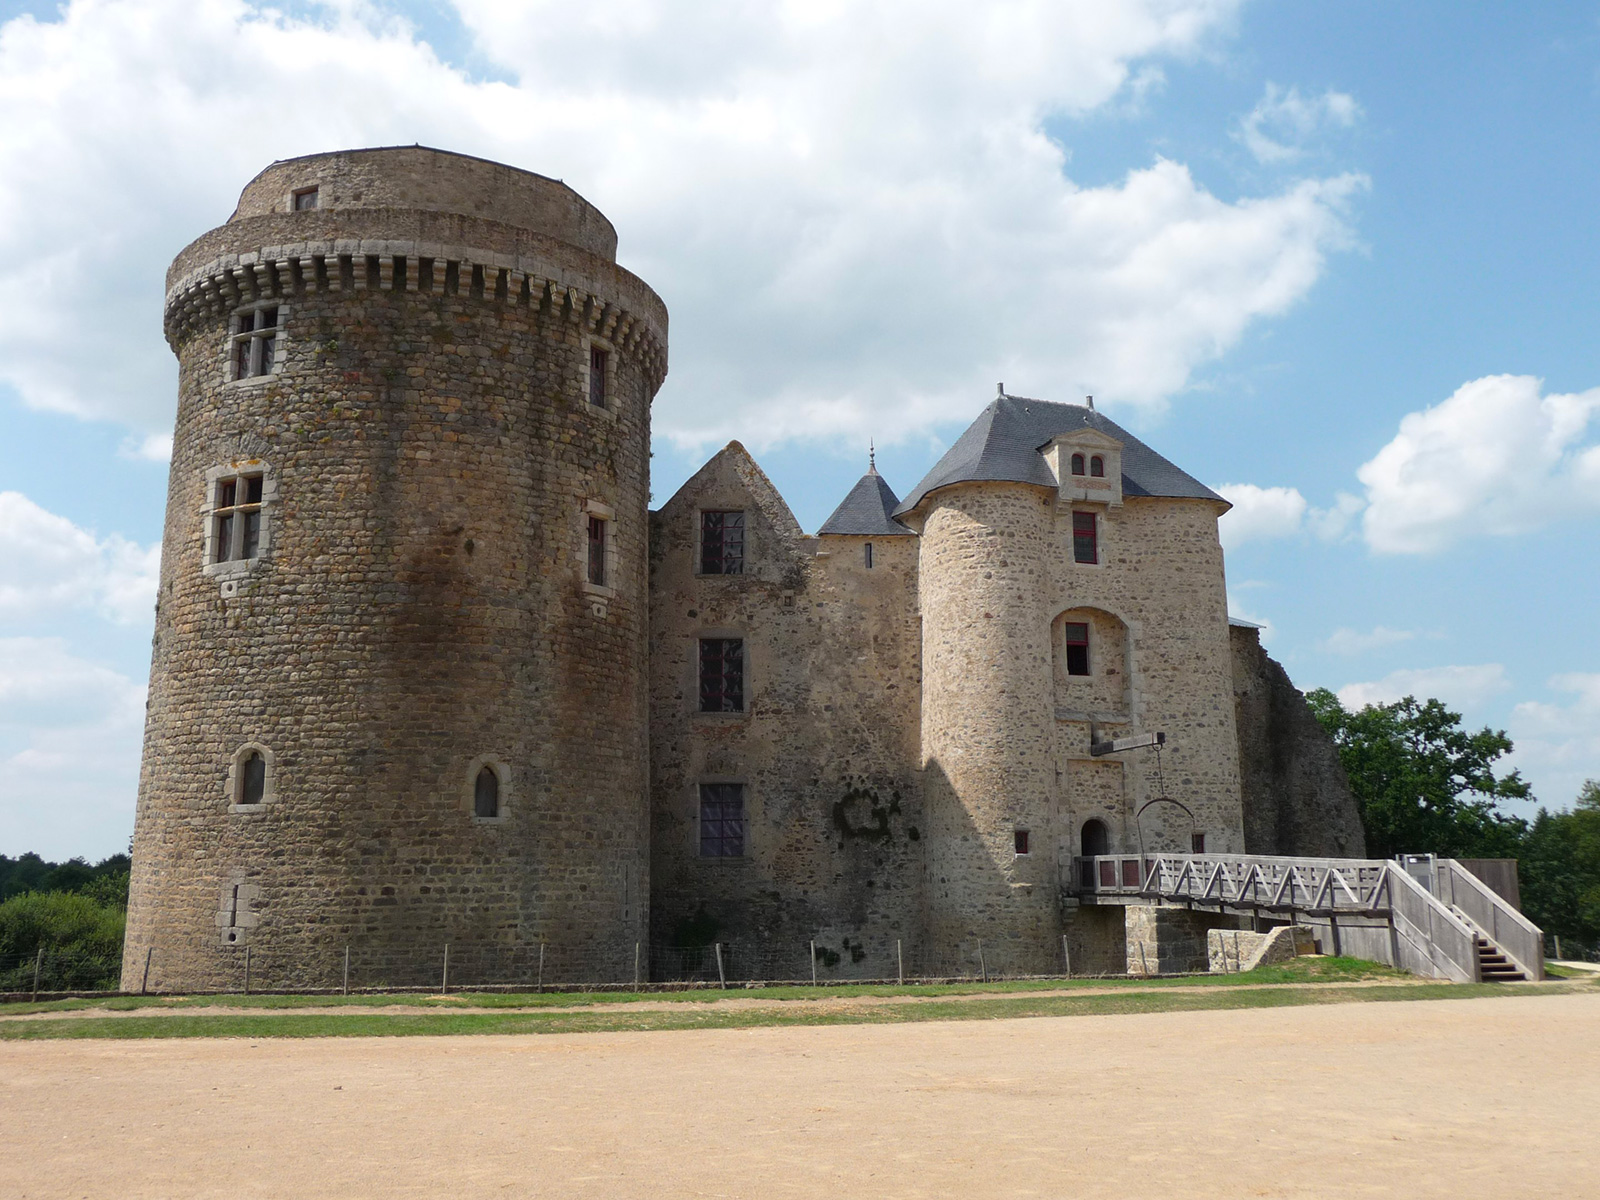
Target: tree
x=1425, y=785
x=1560, y=870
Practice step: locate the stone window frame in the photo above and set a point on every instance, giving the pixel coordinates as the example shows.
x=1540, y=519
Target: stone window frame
x=230, y=366
x=1021, y=841
x=469, y=790
x=1132, y=634
x=233, y=786
x=598, y=509
x=695, y=801
x=235, y=570
x=312, y=190
x=747, y=692
x=699, y=541
x=610, y=408
x=1101, y=528
x=237, y=913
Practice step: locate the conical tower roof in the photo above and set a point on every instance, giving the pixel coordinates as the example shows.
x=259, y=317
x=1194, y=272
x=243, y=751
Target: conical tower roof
x=866, y=511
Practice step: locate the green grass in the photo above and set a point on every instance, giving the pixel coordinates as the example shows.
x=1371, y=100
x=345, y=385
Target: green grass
x=949, y=1006
x=1301, y=970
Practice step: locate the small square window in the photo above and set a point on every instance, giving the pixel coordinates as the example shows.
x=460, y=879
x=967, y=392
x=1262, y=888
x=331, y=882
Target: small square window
x=305, y=199
x=722, y=820
x=1021, y=837
x=1085, y=538
x=599, y=360
x=1197, y=843
x=722, y=543
x=721, y=674
x=1076, y=634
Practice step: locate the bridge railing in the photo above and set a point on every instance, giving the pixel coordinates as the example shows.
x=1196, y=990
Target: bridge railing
x=1518, y=938
x=1255, y=881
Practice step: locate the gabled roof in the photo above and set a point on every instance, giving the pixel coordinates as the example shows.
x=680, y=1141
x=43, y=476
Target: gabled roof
x=865, y=512
x=1004, y=444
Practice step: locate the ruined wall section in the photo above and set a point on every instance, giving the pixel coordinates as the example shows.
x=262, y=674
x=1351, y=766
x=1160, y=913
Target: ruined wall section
x=826, y=748
x=417, y=608
x=1297, y=798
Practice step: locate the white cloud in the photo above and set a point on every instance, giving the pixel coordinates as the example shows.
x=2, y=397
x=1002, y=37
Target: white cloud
x=852, y=209
x=1350, y=642
x=1259, y=513
x=1332, y=523
x=1496, y=458
x=1244, y=612
x=48, y=564
x=152, y=447
x=69, y=750
x=1459, y=687
x=1282, y=122
x=1559, y=744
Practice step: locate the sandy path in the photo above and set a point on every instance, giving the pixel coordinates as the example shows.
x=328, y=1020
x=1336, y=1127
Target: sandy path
x=1422, y=1099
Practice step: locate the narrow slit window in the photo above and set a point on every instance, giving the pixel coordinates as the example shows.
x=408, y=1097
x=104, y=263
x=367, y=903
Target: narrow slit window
x=1077, y=464
x=1020, y=839
x=722, y=820
x=236, y=518
x=597, y=550
x=1085, y=538
x=486, y=793
x=255, y=342
x=1097, y=467
x=598, y=361
x=869, y=555
x=252, y=778
x=722, y=543
x=1077, y=639
x=721, y=674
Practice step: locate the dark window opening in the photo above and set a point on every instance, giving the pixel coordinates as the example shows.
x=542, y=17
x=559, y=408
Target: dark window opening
x=722, y=543
x=486, y=793
x=722, y=820
x=236, y=533
x=255, y=345
x=597, y=551
x=1085, y=540
x=1021, y=840
x=253, y=778
x=721, y=675
x=1076, y=634
x=1097, y=467
x=1197, y=843
x=1077, y=464
x=305, y=199
x=869, y=555
x=597, y=376
x=1096, y=838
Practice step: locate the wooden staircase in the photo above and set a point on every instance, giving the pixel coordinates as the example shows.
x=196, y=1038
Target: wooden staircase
x=1493, y=966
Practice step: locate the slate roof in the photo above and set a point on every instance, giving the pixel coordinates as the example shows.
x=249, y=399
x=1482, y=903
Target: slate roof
x=866, y=511
x=1004, y=444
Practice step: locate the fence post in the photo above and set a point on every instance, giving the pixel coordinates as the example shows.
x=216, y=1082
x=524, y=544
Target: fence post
x=721, y=978
x=982, y=968
x=38, y=961
x=541, y=968
x=1144, y=966
x=900, y=961
x=636, y=966
x=144, y=983
x=813, y=962
x=247, y=970
x=444, y=980
x=1558, y=944
x=1066, y=954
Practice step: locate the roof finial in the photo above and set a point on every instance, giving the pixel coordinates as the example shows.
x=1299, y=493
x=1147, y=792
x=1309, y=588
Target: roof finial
x=1000, y=390
x=1089, y=400
x=872, y=458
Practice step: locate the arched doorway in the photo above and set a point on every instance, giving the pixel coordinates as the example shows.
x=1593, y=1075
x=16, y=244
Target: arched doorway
x=1096, y=838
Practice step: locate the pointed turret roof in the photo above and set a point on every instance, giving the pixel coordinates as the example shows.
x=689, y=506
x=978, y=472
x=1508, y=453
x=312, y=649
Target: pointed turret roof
x=866, y=511
x=1004, y=443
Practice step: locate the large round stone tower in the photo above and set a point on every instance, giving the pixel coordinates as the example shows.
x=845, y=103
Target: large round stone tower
x=397, y=698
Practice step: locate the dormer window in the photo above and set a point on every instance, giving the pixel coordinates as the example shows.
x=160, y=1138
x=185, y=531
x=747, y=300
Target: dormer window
x=1077, y=464
x=1097, y=467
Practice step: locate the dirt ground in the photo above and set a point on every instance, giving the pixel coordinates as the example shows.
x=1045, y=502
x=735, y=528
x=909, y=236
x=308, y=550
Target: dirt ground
x=1459, y=1098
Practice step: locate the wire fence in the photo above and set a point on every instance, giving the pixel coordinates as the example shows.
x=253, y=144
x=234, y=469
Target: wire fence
x=59, y=970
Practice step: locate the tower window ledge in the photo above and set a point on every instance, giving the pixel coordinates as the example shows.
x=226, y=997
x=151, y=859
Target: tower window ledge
x=1098, y=718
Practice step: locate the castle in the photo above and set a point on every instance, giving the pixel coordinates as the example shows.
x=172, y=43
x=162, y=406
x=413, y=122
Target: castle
x=427, y=671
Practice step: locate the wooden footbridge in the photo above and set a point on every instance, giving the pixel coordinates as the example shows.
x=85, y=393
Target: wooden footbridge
x=1427, y=915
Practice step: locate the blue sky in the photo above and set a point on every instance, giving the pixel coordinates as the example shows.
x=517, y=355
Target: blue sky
x=1336, y=260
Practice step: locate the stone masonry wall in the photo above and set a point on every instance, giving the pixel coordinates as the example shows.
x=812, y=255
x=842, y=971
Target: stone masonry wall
x=826, y=746
x=419, y=607
x=1297, y=799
